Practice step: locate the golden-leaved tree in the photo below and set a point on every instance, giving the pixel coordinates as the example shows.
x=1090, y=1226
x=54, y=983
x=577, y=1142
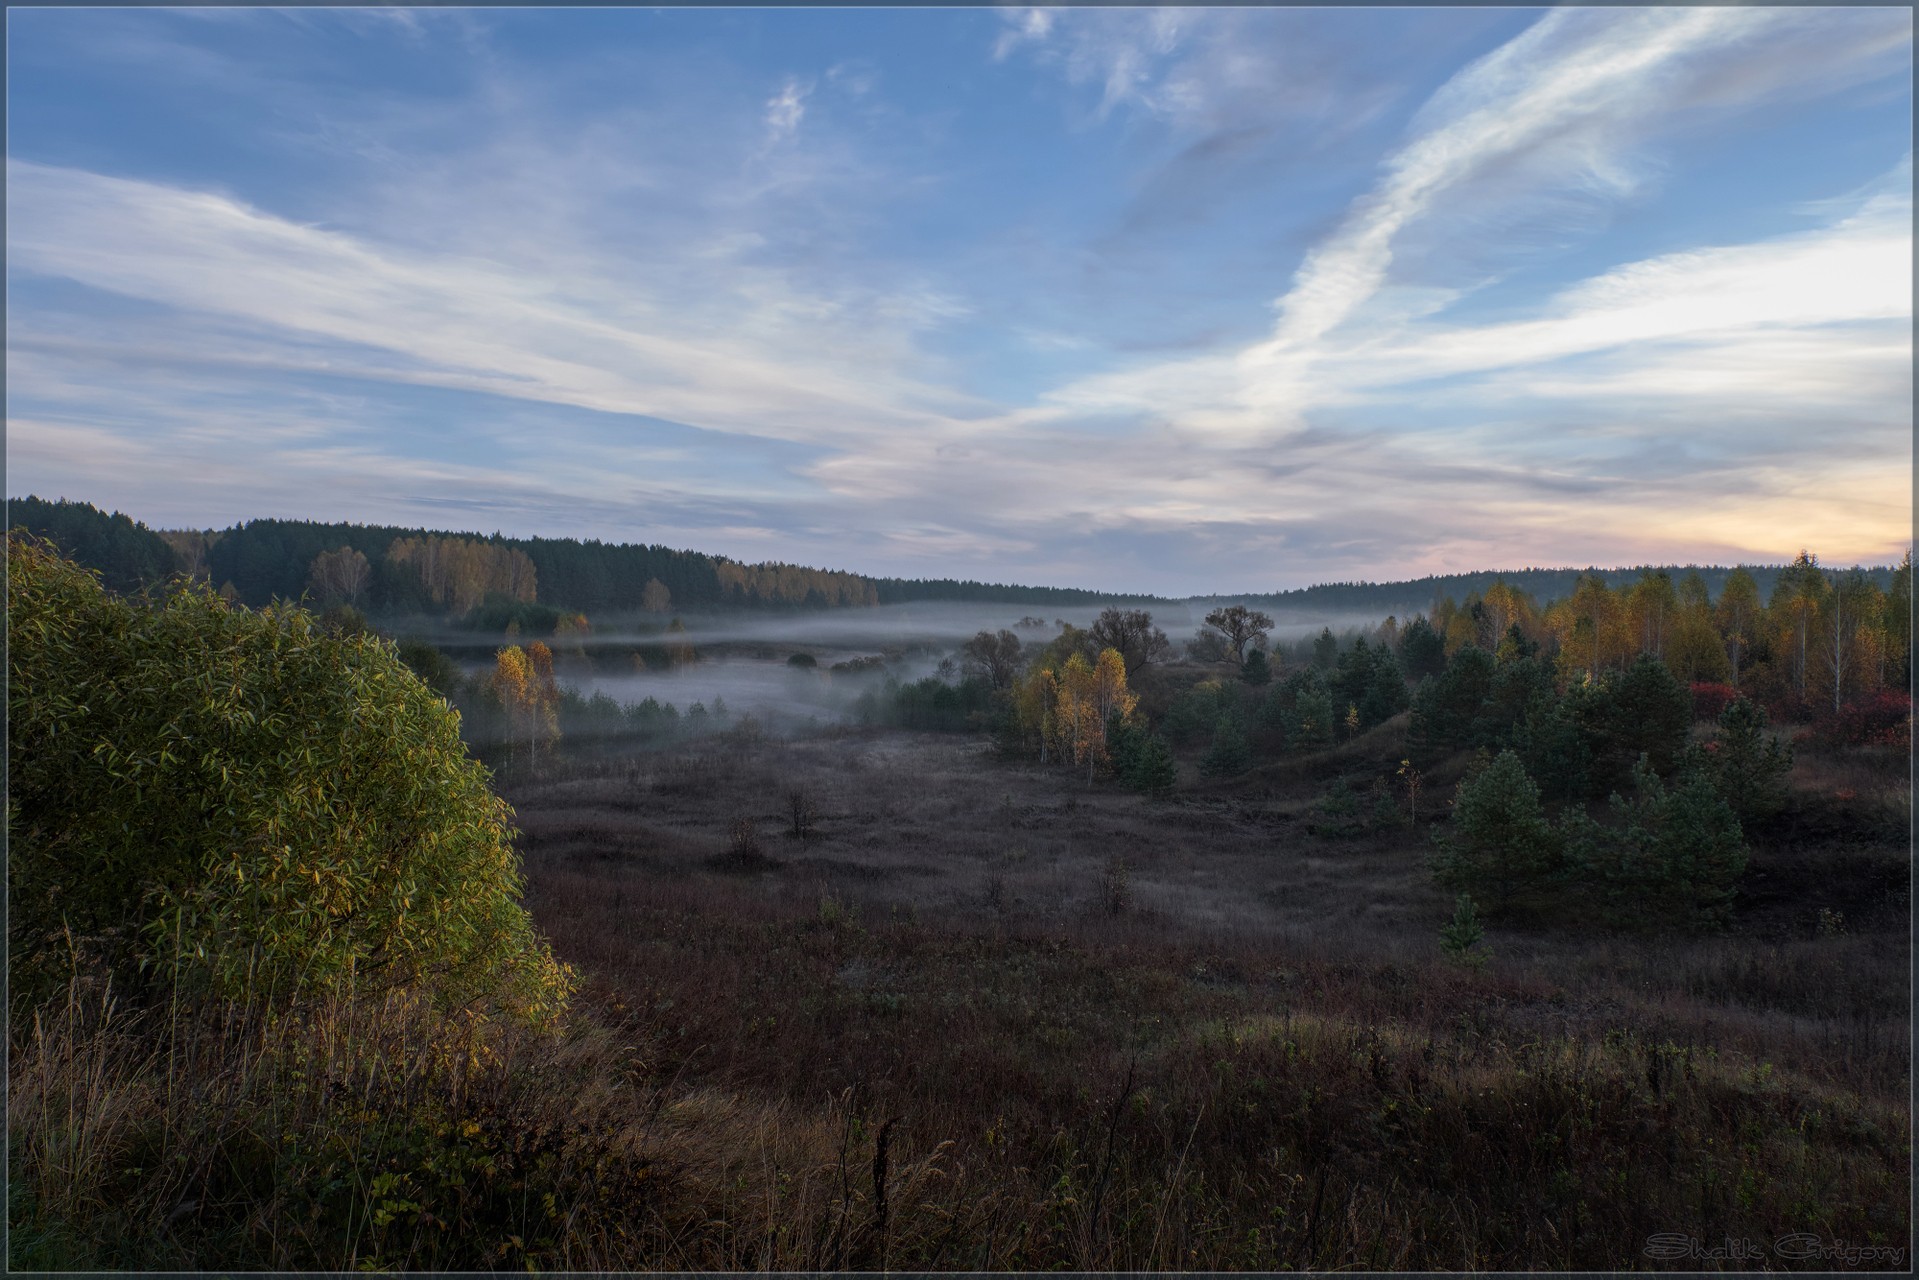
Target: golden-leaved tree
x=1795, y=604
x=1063, y=709
x=528, y=694
x=1739, y=617
x=458, y=573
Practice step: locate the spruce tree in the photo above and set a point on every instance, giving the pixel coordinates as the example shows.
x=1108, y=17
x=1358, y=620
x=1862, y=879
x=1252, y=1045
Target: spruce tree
x=1230, y=754
x=1152, y=768
x=1672, y=854
x=1500, y=843
x=1256, y=670
x=1552, y=746
x=1325, y=650
x=1385, y=695
x=1748, y=764
x=1422, y=651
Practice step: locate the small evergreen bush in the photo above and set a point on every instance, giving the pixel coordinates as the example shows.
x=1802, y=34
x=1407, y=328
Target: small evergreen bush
x=1230, y=754
x=1748, y=764
x=1500, y=843
x=1672, y=855
x=1459, y=936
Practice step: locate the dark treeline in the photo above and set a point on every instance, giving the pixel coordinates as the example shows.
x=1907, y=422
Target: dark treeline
x=387, y=568
x=126, y=554
x=420, y=570
x=264, y=559
x=1420, y=594
x=911, y=590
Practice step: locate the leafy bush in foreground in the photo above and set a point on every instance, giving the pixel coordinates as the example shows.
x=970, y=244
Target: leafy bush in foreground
x=242, y=802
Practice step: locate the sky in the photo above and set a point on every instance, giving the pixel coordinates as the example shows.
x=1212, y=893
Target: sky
x=1175, y=301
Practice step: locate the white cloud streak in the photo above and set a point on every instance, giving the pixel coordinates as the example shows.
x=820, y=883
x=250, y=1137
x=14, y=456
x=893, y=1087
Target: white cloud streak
x=807, y=374
x=1298, y=449
x=786, y=109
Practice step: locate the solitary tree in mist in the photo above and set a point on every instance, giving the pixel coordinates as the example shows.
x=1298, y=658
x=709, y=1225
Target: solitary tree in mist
x=510, y=683
x=1132, y=634
x=679, y=650
x=1240, y=626
x=523, y=682
x=1326, y=650
x=994, y=658
x=655, y=598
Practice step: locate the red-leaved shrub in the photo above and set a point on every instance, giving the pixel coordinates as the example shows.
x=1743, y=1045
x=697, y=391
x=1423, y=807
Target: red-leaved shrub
x=1709, y=699
x=1880, y=719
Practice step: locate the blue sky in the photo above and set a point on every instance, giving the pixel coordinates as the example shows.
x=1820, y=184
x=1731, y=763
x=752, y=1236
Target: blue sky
x=1177, y=300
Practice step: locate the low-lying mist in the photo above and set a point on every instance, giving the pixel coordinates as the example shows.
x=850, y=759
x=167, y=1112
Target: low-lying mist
x=740, y=663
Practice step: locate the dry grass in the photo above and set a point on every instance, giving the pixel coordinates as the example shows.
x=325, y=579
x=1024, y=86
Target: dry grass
x=1259, y=1062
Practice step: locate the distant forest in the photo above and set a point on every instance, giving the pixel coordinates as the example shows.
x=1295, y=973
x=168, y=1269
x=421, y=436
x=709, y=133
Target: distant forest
x=1420, y=594
x=385, y=568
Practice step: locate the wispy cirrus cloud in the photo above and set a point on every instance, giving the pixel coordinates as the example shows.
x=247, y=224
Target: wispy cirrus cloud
x=791, y=367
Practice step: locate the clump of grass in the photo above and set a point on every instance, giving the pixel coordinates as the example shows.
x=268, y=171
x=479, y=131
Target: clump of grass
x=1459, y=938
x=335, y=1134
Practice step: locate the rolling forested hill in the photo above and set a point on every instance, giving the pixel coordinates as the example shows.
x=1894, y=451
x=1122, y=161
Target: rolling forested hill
x=388, y=568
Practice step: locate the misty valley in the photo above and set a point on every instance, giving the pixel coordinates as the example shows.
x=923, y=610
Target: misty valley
x=968, y=639
x=1513, y=929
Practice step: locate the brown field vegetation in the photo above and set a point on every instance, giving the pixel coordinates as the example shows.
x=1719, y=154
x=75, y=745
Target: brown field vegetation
x=981, y=1015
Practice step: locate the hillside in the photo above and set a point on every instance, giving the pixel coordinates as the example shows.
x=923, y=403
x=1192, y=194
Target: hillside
x=264, y=560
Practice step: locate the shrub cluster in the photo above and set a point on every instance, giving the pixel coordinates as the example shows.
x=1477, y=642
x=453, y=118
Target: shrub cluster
x=1672, y=854
x=1880, y=719
x=239, y=801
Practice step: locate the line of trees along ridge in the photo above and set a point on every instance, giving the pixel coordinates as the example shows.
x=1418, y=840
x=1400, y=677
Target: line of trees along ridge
x=390, y=568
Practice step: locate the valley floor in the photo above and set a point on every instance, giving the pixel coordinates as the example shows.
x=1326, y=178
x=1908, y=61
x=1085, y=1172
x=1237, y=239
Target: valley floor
x=1083, y=1028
